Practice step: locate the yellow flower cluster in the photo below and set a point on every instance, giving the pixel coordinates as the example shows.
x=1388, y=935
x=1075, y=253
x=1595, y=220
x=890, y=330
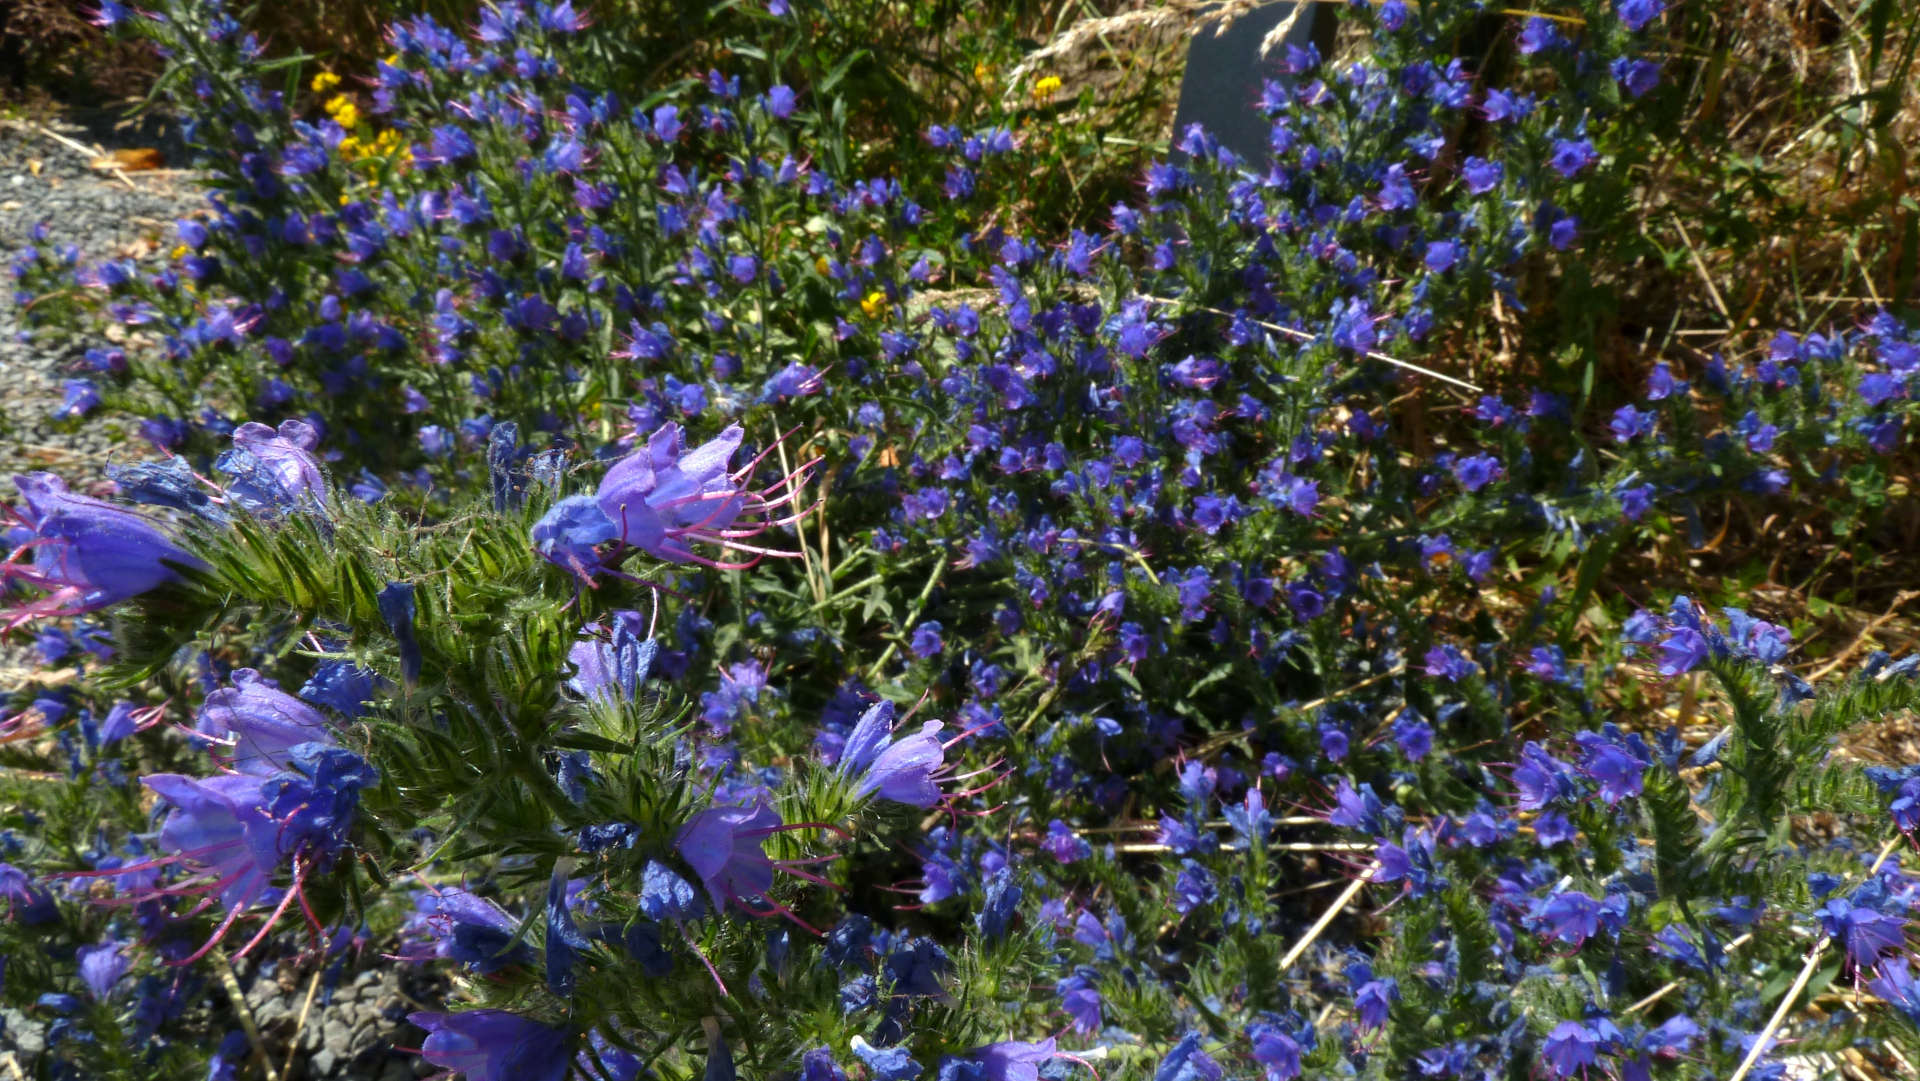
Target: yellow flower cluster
x=1045, y=87
x=343, y=110
x=387, y=144
x=875, y=304
x=324, y=82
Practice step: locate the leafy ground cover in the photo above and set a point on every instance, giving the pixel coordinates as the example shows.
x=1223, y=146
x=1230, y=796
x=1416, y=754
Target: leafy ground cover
x=751, y=583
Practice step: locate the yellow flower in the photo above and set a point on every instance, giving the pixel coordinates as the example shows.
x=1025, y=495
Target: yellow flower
x=343, y=110
x=324, y=82
x=350, y=148
x=875, y=304
x=1045, y=87
x=982, y=71
x=825, y=268
x=180, y=251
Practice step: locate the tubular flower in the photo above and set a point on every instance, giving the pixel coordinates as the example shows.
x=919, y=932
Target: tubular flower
x=222, y=825
x=263, y=722
x=275, y=468
x=660, y=500
x=88, y=553
x=469, y=929
x=612, y=671
x=233, y=832
x=494, y=1045
x=724, y=846
x=905, y=770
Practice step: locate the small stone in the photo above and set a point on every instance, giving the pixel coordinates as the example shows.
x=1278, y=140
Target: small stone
x=337, y=1036
x=322, y=1063
x=365, y=1039
x=270, y=1012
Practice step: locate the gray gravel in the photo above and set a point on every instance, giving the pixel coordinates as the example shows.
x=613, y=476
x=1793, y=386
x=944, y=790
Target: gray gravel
x=43, y=181
x=352, y=1027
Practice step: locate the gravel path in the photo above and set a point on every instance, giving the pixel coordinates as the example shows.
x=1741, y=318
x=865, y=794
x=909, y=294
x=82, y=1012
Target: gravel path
x=44, y=181
x=357, y=1016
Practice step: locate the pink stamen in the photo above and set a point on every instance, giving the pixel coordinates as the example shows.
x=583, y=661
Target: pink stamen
x=286, y=898
x=711, y=971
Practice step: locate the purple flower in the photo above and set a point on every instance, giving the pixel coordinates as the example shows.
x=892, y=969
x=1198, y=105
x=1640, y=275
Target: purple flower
x=1448, y=663
x=905, y=770
x=1187, y=1062
x=1373, y=1000
x=111, y=14
x=90, y=554
x=1570, y=1048
x=781, y=101
x=1193, y=888
x=1081, y=1001
x=612, y=670
x=1636, y=14
x=569, y=533
x=262, y=722
x=1540, y=778
x=663, y=496
x=1572, y=917
x=222, y=824
x=1476, y=472
x=1865, y=933
x=1065, y=845
x=886, y=1063
x=494, y=1045
x=1539, y=35
x=79, y=398
x=1570, y=156
x=341, y=686
x=1635, y=76
x=1896, y=984
x=1629, y=423
x=469, y=930
x=1615, y=768
x=31, y=905
x=926, y=640
x=1683, y=650
x=1275, y=1050
x=1013, y=1060
x=1442, y=255
x=102, y=966
x=1396, y=191
x=723, y=845
x=1481, y=175
x=664, y=895
x=397, y=610
x=276, y=467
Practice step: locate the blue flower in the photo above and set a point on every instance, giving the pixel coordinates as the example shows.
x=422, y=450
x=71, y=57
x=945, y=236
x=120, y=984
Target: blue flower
x=907, y=770
x=886, y=1063
x=494, y=1045
x=1636, y=14
x=1187, y=1062
x=263, y=723
x=1065, y=845
x=1570, y=156
x=926, y=640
